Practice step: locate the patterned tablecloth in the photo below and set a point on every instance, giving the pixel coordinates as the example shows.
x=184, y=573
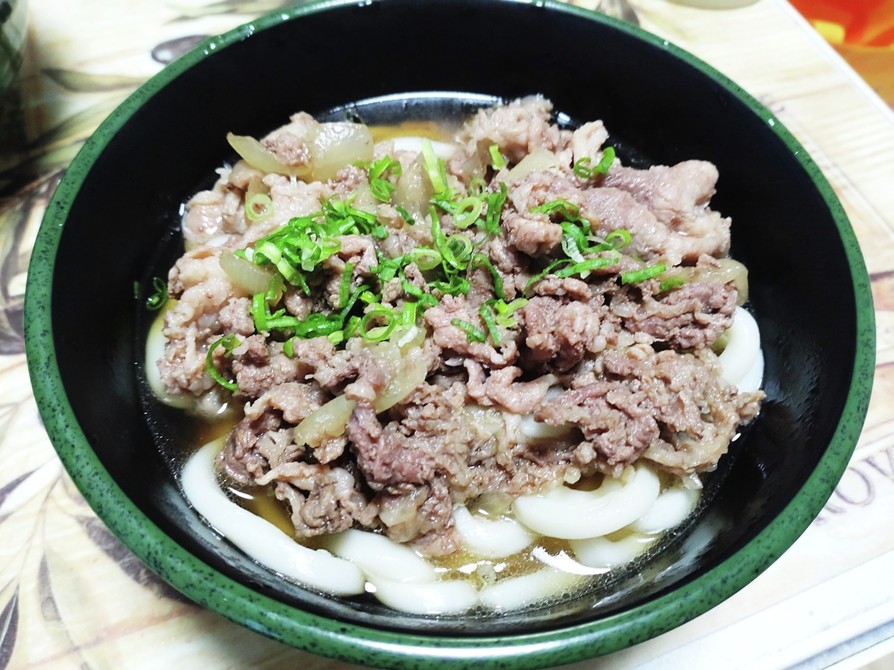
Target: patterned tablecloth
x=72, y=596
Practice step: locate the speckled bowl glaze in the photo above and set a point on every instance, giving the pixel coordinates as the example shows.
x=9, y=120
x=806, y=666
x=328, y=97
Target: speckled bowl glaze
x=114, y=222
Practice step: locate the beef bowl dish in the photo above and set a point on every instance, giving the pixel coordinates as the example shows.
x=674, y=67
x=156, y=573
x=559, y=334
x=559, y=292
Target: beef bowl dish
x=523, y=363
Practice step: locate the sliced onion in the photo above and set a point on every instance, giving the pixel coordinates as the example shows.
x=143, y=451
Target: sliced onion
x=327, y=421
x=538, y=160
x=245, y=274
x=411, y=372
x=258, y=156
x=413, y=189
x=336, y=145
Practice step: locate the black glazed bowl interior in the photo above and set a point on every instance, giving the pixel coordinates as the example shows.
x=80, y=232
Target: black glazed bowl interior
x=114, y=222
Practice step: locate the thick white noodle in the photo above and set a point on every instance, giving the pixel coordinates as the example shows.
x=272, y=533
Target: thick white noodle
x=259, y=538
x=515, y=592
x=604, y=552
x=155, y=349
x=490, y=538
x=380, y=557
x=742, y=362
x=573, y=515
x=444, y=597
x=670, y=509
x=443, y=150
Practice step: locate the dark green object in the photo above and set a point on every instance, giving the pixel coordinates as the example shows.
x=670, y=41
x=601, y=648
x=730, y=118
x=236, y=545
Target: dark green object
x=13, y=32
x=118, y=204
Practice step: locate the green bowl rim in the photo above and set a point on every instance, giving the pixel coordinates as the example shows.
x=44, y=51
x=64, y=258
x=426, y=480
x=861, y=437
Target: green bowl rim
x=365, y=645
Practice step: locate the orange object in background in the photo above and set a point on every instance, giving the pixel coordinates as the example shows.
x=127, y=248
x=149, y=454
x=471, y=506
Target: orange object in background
x=862, y=31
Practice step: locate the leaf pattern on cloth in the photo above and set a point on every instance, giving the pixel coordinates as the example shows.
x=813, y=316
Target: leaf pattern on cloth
x=9, y=622
x=132, y=566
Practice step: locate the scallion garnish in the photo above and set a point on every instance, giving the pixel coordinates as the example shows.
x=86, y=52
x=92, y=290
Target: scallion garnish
x=373, y=333
x=582, y=166
x=636, y=276
x=506, y=310
x=496, y=277
x=159, y=295
x=496, y=158
x=474, y=333
x=228, y=342
x=344, y=288
x=670, y=283
x=405, y=215
x=379, y=172
x=434, y=168
x=258, y=207
x=467, y=211
x=487, y=315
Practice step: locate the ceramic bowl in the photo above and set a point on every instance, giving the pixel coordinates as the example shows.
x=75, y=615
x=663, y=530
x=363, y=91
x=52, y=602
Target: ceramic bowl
x=114, y=222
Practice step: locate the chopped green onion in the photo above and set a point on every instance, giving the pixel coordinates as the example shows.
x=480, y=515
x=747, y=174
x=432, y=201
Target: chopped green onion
x=670, y=283
x=636, y=276
x=379, y=184
x=405, y=215
x=425, y=258
x=496, y=277
x=488, y=317
x=434, y=168
x=495, y=201
x=505, y=311
x=344, y=288
x=619, y=238
x=228, y=342
x=585, y=267
x=467, y=211
x=258, y=207
x=159, y=294
x=571, y=248
x=472, y=332
x=582, y=166
x=496, y=157
x=377, y=333
x=408, y=313
x=454, y=285
x=567, y=210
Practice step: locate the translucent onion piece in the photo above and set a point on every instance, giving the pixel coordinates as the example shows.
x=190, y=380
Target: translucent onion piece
x=258, y=156
x=602, y=552
x=487, y=538
x=742, y=352
x=380, y=557
x=330, y=420
x=670, y=509
x=259, y=538
x=336, y=145
x=508, y=594
x=444, y=597
x=244, y=274
x=325, y=422
x=572, y=515
x=155, y=349
x=411, y=372
x=538, y=160
x=413, y=189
